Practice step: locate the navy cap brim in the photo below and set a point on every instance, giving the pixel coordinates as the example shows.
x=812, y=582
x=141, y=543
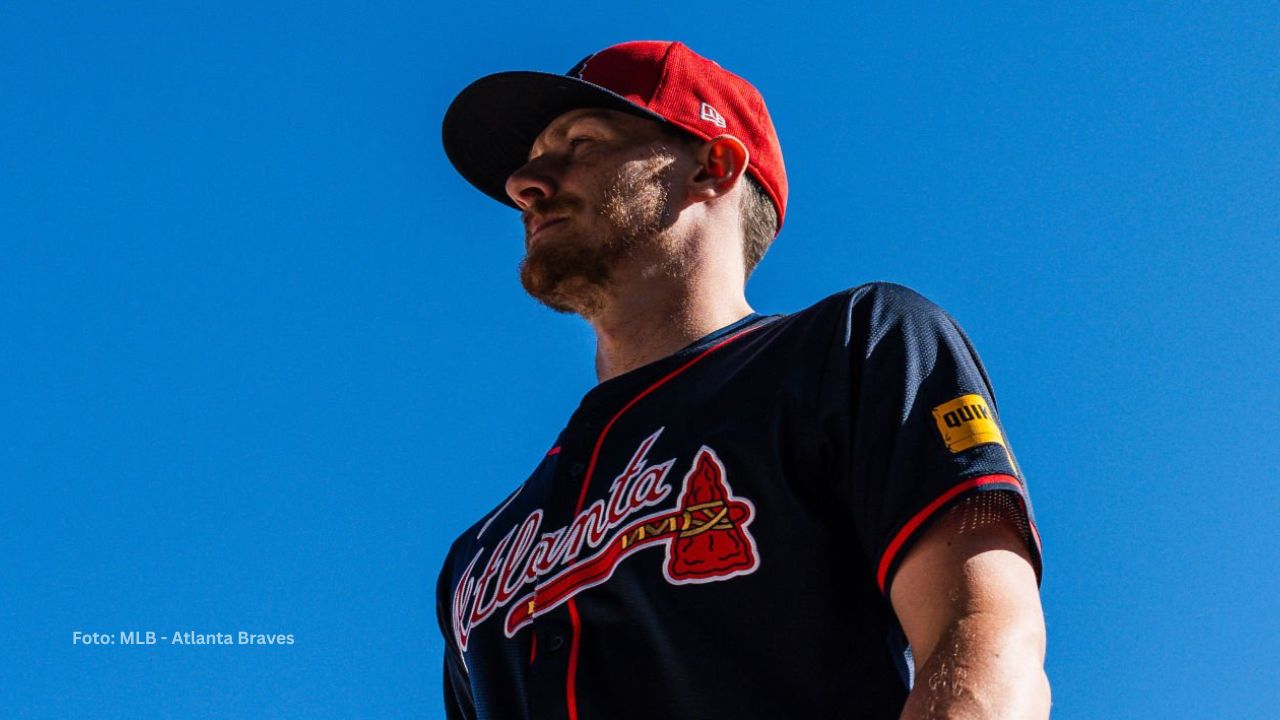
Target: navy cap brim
x=490, y=127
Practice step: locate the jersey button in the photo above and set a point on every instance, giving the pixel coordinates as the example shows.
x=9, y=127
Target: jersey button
x=576, y=470
x=557, y=642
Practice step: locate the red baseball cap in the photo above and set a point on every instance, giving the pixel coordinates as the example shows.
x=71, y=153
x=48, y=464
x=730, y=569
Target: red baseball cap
x=490, y=126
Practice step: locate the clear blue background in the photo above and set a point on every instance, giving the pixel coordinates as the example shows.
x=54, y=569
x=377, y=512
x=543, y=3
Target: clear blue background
x=263, y=354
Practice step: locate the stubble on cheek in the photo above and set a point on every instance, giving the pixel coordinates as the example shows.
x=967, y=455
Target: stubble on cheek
x=571, y=273
x=635, y=203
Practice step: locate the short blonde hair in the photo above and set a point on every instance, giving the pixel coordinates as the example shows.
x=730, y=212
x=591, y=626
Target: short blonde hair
x=759, y=223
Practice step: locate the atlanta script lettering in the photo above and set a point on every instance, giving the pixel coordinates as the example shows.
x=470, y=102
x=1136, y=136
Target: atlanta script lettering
x=705, y=535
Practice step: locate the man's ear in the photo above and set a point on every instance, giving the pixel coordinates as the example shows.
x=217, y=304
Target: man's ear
x=721, y=162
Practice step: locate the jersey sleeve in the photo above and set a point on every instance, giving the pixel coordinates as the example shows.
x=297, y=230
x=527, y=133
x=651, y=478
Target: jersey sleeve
x=457, y=694
x=909, y=420
x=458, y=704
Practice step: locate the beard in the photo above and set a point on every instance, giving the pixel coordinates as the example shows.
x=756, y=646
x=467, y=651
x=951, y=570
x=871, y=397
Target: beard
x=572, y=272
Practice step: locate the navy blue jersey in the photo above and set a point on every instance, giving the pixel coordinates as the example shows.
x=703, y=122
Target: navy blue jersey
x=713, y=535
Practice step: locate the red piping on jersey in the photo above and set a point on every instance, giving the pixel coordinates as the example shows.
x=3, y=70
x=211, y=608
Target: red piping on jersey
x=553, y=451
x=886, y=560
x=595, y=454
x=570, y=689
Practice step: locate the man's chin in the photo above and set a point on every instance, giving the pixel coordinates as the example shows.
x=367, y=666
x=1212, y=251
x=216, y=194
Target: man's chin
x=566, y=277
x=582, y=299
x=563, y=293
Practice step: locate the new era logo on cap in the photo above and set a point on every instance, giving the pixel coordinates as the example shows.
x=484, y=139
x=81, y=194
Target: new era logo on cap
x=710, y=113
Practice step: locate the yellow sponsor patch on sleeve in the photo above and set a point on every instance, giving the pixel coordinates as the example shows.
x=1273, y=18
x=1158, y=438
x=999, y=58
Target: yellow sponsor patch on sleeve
x=967, y=422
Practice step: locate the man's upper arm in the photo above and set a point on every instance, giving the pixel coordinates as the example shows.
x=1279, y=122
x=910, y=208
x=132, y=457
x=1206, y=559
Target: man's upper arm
x=967, y=592
x=971, y=560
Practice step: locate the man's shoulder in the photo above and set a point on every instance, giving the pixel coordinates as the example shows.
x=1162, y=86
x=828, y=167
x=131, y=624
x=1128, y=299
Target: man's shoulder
x=859, y=316
x=876, y=304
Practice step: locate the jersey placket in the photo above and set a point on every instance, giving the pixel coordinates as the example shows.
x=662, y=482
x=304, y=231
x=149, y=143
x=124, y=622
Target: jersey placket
x=551, y=671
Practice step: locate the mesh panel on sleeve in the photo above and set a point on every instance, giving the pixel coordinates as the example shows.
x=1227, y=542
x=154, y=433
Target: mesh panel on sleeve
x=985, y=509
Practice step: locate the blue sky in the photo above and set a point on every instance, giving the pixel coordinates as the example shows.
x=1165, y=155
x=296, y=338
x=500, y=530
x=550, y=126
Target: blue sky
x=263, y=354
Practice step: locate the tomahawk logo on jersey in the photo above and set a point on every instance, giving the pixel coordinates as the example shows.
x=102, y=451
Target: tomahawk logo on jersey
x=745, y=501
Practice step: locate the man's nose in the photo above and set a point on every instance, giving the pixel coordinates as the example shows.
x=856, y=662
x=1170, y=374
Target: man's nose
x=530, y=183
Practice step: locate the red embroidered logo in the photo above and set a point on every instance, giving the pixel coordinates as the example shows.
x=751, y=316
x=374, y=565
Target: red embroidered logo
x=705, y=537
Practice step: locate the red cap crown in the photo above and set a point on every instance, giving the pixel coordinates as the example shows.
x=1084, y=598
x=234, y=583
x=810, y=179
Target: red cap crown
x=697, y=95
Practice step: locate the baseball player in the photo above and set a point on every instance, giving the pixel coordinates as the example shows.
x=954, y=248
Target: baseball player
x=813, y=515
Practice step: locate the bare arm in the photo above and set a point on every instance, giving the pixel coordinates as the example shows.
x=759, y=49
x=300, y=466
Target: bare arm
x=967, y=598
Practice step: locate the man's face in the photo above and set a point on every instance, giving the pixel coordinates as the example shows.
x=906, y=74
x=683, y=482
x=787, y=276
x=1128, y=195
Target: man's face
x=596, y=191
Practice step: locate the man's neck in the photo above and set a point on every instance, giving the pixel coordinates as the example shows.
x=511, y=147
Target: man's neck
x=648, y=319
